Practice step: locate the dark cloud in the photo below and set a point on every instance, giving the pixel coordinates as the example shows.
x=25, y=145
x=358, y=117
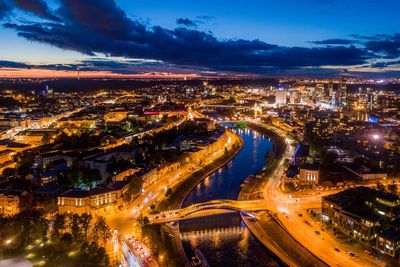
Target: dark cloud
x=384, y=64
x=145, y=67
x=96, y=27
x=101, y=17
x=205, y=18
x=382, y=45
x=334, y=42
x=37, y=7
x=95, y=64
x=186, y=22
x=188, y=47
x=386, y=45
x=378, y=65
x=298, y=56
x=374, y=37
x=5, y=9
x=12, y=64
x=362, y=37
x=124, y=67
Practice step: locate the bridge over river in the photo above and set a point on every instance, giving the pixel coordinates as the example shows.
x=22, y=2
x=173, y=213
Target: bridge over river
x=208, y=208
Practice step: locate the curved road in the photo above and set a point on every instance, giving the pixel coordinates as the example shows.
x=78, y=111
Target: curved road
x=321, y=245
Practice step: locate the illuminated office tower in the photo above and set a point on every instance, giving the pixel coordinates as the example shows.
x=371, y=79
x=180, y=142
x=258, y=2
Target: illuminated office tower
x=342, y=91
x=294, y=97
x=330, y=89
x=319, y=90
x=280, y=97
x=333, y=99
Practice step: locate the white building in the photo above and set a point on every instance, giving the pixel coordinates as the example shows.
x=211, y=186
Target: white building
x=280, y=97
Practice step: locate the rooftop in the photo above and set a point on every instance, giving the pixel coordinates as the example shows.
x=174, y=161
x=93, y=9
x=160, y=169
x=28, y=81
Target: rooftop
x=365, y=202
x=310, y=166
x=391, y=234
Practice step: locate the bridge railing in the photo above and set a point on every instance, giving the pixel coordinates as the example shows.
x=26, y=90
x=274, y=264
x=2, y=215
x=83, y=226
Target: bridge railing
x=213, y=203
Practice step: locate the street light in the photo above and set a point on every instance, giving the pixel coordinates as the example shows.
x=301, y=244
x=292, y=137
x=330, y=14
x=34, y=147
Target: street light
x=41, y=245
x=8, y=243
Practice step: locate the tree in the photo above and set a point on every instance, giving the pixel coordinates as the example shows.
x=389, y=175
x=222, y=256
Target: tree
x=102, y=256
x=392, y=188
x=66, y=239
x=135, y=185
x=168, y=193
x=80, y=140
x=115, y=165
x=59, y=226
x=380, y=186
x=290, y=186
x=268, y=120
x=85, y=223
x=25, y=160
x=9, y=172
x=29, y=224
x=84, y=127
x=90, y=177
x=92, y=255
x=107, y=140
x=38, y=225
x=101, y=230
x=132, y=126
x=145, y=220
x=81, y=177
x=76, y=227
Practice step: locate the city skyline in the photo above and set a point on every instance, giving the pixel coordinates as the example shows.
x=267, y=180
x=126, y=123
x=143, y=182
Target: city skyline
x=261, y=172
x=175, y=39
x=175, y=133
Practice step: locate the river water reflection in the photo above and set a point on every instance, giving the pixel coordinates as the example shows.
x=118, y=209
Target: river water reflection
x=224, y=240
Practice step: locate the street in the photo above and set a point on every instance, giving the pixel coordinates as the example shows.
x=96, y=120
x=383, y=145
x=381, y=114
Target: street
x=303, y=228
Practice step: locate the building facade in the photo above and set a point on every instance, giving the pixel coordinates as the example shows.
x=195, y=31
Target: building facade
x=10, y=205
x=99, y=201
x=360, y=212
x=309, y=174
x=388, y=242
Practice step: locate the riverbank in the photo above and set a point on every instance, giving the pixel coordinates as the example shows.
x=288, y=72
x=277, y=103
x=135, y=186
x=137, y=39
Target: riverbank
x=181, y=191
x=266, y=228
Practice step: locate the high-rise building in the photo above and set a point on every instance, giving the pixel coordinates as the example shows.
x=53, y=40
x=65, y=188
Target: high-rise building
x=280, y=97
x=295, y=97
x=333, y=99
x=362, y=115
x=319, y=90
x=342, y=91
x=371, y=99
x=189, y=92
x=330, y=89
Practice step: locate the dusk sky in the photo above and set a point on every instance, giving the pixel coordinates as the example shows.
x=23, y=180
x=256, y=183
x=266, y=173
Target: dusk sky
x=310, y=38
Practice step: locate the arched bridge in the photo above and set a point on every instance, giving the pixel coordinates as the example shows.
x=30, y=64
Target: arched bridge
x=208, y=208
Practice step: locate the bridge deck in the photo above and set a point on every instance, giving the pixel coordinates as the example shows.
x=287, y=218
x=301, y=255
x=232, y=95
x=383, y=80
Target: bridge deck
x=208, y=208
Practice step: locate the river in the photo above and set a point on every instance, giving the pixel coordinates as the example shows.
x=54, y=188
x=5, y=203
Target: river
x=224, y=239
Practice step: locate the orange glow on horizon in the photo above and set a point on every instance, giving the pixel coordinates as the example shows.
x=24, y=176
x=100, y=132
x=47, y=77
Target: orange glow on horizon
x=45, y=73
